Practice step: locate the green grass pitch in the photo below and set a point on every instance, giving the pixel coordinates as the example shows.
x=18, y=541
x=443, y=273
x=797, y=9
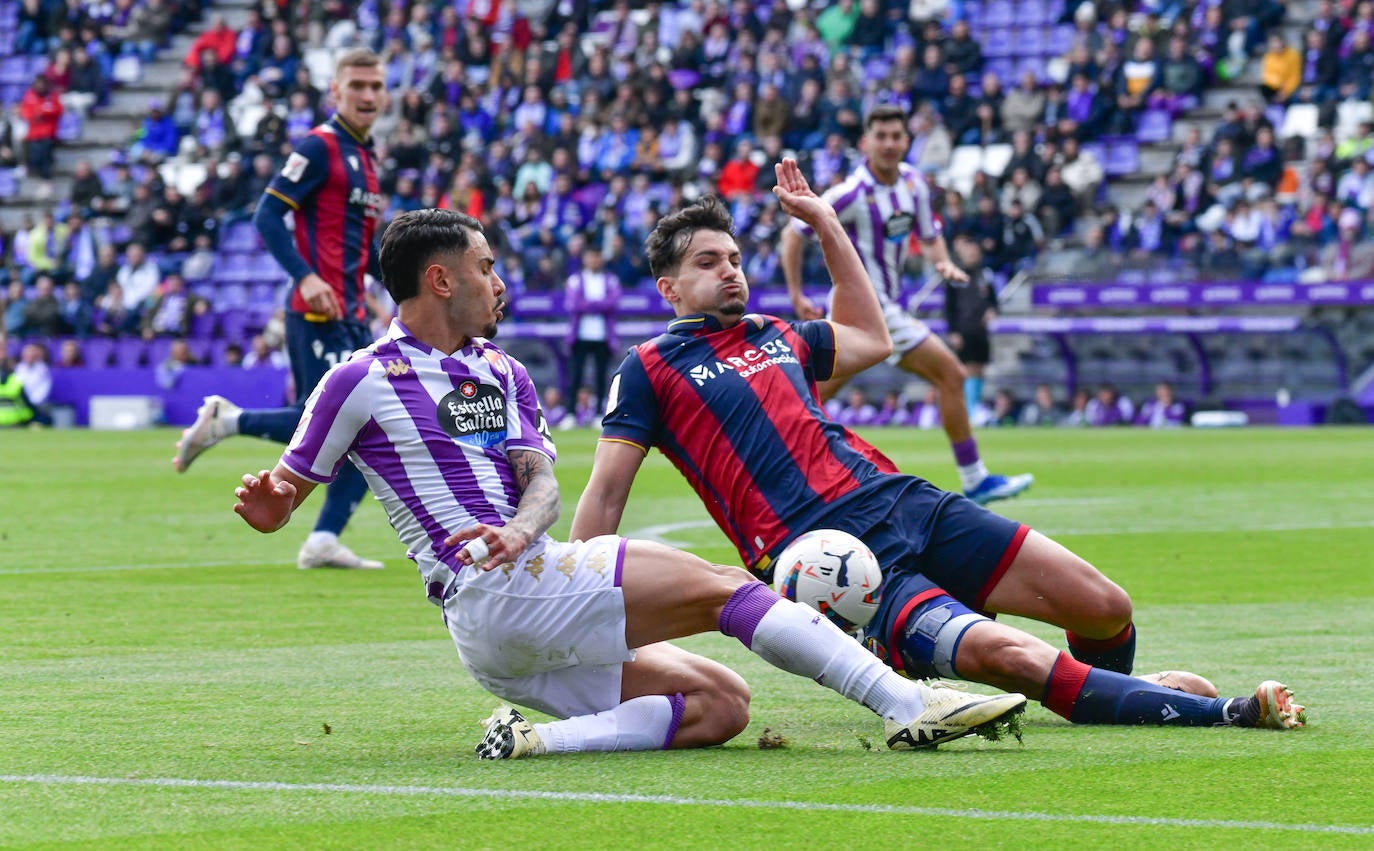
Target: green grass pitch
x=169, y=679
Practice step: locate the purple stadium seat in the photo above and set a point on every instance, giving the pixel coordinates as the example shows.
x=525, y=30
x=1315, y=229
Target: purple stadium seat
x=14, y=71
x=233, y=325
x=128, y=352
x=230, y=295
x=1123, y=157
x=1029, y=41
x=157, y=350
x=262, y=294
x=69, y=126
x=202, y=325
x=13, y=346
x=200, y=350
x=973, y=13
x=97, y=351
x=1033, y=64
x=216, y=355
x=1060, y=39
x=999, y=13
x=240, y=236
x=998, y=44
x=1032, y=13
x=9, y=183
x=1004, y=68
x=1155, y=126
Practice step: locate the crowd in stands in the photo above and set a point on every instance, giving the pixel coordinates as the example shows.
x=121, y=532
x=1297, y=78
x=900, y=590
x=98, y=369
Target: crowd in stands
x=1105, y=407
x=580, y=122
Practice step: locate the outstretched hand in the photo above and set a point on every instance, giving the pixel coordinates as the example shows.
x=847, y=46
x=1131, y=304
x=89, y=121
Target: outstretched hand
x=796, y=197
x=264, y=503
x=950, y=272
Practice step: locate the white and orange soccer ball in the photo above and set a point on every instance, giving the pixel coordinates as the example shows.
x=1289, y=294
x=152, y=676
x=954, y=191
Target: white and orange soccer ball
x=834, y=573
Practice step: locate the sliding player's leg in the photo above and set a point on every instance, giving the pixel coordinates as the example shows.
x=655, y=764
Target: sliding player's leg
x=925, y=632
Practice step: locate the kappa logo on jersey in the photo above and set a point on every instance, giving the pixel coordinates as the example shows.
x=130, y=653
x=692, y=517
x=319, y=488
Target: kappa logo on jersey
x=295, y=167
x=749, y=362
x=474, y=414
x=396, y=368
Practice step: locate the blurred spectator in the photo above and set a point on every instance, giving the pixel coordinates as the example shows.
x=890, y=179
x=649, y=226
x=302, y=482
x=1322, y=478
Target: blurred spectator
x=970, y=306
x=1281, y=70
x=36, y=379
x=179, y=358
x=1078, y=410
x=1109, y=408
x=1023, y=105
x=1349, y=257
x=167, y=311
x=76, y=312
x=261, y=353
x=146, y=28
x=42, y=312
x=42, y=109
x=158, y=136
x=1042, y=409
x=69, y=355
x=856, y=410
x=1163, y=411
x=590, y=303
x=1005, y=410
x=556, y=413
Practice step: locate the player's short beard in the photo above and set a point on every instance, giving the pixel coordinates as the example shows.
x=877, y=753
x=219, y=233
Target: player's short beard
x=734, y=308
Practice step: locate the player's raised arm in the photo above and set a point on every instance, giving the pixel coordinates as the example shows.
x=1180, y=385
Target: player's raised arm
x=602, y=503
x=861, y=337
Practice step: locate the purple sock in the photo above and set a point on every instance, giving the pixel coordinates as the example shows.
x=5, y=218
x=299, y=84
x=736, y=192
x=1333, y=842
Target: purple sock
x=679, y=705
x=746, y=607
x=965, y=452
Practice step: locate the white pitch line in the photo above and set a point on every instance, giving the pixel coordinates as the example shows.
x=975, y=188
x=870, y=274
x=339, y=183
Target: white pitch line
x=114, y=568
x=677, y=801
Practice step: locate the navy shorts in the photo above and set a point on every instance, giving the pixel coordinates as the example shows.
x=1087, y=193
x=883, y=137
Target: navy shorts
x=933, y=542
x=315, y=347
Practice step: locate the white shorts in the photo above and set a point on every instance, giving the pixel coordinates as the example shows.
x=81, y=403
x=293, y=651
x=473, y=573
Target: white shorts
x=907, y=331
x=548, y=630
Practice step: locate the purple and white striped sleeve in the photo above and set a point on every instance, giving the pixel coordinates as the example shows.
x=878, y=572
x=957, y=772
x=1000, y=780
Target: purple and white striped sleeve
x=531, y=431
x=334, y=414
x=927, y=226
x=842, y=198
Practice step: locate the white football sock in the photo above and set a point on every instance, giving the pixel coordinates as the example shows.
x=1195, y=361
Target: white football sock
x=972, y=475
x=640, y=724
x=320, y=539
x=800, y=641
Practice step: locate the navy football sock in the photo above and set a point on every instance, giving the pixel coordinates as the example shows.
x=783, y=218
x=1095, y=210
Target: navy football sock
x=277, y=424
x=1086, y=695
x=1113, y=654
x=341, y=499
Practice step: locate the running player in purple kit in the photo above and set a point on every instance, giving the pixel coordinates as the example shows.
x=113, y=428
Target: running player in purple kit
x=730, y=398
x=448, y=431
x=880, y=205
x=329, y=184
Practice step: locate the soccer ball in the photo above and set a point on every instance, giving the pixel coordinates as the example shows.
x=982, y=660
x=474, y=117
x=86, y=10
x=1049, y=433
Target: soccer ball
x=834, y=573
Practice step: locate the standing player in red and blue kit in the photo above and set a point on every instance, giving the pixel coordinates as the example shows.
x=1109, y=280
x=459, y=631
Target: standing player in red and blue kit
x=731, y=399
x=329, y=184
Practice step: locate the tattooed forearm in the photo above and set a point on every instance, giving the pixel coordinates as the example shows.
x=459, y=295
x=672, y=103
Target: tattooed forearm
x=539, y=502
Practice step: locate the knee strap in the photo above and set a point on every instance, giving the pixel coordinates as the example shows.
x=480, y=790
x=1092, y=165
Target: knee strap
x=931, y=638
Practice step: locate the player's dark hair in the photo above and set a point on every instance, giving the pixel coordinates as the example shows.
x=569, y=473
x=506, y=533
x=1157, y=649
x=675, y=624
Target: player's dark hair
x=412, y=241
x=886, y=112
x=672, y=236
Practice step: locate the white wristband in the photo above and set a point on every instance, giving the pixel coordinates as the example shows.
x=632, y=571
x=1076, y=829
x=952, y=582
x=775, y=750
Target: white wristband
x=477, y=549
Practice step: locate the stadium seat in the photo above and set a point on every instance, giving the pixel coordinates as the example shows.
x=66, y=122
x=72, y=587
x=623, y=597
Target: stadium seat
x=14, y=70
x=1034, y=65
x=998, y=44
x=97, y=351
x=1031, y=13
x=999, y=13
x=127, y=70
x=202, y=325
x=1301, y=119
x=240, y=236
x=69, y=126
x=320, y=62
x=1029, y=41
x=1004, y=68
x=1350, y=114
x=995, y=159
x=128, y=352
x=157, y=349
x=1155, y=126
x=683, y=78
x=1060, y=40
x=1123, y=157
x=964, y=163
x=9, y=183
x=233, y=325
x=200, y=349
